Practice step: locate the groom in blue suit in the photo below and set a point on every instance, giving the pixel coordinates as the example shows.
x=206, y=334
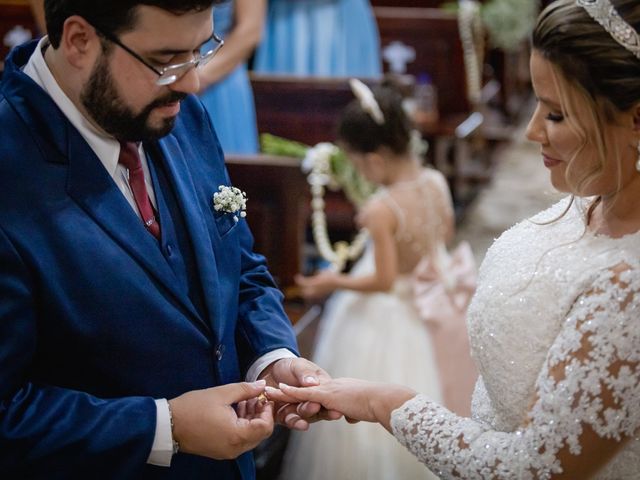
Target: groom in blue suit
x=121, y=283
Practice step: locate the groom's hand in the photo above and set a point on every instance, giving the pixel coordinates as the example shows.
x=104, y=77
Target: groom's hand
x=208, y=422
x=302, y=373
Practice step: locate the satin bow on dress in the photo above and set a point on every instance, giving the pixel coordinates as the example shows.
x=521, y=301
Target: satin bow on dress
x=443, y=285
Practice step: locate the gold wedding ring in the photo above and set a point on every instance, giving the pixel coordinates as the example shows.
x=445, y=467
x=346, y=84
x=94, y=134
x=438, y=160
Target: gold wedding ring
x=262, y=398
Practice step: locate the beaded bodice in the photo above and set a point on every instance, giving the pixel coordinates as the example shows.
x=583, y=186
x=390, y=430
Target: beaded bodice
x=554, y=328
x=424, y=212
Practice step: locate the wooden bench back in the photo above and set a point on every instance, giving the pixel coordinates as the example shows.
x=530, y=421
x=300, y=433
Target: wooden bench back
x=277, y=209
x=434, y=35
x=16, y=21
x=305, y=109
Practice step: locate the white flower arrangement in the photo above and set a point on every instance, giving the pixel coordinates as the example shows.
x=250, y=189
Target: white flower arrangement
x=326, y=166
x=230, y=200
x=317, y=165
x=317, y=162
x=509, y=22
x=472, y=36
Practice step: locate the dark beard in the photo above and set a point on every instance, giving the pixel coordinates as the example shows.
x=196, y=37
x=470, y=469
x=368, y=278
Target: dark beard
x=103, y=103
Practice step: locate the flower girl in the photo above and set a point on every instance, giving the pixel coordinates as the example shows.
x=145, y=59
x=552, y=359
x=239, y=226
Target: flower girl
x=399, y=315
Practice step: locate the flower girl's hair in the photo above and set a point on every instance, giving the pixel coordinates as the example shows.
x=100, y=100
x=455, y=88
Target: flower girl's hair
x=368, y=123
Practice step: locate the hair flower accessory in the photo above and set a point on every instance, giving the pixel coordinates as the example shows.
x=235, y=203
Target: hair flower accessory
x=230, y=200
x=367, y=100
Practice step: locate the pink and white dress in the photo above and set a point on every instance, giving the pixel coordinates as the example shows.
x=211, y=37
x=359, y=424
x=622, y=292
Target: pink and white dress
x=413, y=335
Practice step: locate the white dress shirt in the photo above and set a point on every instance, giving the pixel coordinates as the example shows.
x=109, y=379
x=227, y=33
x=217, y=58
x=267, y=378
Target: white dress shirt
x=107, y=149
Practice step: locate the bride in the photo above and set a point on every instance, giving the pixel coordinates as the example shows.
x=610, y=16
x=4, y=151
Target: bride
x=555, y=323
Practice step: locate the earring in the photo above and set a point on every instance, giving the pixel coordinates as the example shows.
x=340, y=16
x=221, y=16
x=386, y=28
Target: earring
x=638, y=161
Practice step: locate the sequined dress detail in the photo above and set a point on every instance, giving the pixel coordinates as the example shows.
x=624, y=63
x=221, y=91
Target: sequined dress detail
x=554, y=328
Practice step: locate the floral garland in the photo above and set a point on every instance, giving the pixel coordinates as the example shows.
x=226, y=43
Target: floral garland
x=318, y=162
x=509, y=22
x=326, y=166
x=472, y=38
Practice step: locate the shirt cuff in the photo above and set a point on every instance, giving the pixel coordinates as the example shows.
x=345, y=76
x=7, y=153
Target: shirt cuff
x=162, y=448
x=265, y=360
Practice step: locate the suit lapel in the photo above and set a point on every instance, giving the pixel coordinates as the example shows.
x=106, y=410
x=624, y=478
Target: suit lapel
x=194, y=217
x=88, y=183
x=93, y=189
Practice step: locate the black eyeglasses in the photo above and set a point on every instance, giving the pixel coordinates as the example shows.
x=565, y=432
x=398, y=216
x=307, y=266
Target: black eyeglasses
x=170, y=74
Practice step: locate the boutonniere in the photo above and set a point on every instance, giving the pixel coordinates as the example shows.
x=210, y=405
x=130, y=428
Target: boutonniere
x=230, y=200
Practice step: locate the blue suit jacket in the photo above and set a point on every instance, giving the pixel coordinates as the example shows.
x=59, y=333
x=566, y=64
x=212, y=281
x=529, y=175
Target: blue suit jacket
x=93, y=322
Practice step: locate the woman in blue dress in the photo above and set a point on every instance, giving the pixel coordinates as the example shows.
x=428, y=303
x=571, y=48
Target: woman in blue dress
x=225, y=88
x=320, y=38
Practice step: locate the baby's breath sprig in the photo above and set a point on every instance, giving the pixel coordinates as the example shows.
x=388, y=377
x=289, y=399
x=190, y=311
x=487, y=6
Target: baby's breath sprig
x=230, y=200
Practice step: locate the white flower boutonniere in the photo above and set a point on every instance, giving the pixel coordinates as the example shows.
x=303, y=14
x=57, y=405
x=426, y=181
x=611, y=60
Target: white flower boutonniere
x=230, y=200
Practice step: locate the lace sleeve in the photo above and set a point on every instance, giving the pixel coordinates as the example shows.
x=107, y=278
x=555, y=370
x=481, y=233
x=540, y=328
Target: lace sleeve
x=585, y=408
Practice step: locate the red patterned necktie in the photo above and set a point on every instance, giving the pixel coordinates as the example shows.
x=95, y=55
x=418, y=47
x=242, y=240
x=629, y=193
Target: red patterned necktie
x=131, y=160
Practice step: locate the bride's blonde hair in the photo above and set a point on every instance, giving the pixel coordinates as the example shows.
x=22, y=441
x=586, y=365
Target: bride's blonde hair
x=593, y=74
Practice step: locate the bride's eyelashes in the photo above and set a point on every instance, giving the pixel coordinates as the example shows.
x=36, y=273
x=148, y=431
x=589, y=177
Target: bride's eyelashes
x=555, y=117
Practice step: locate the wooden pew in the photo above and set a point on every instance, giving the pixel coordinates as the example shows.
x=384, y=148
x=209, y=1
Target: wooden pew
x=277, y=210
x=16, y=25
x=434, y=35
x=506, y=70
x=458, y=147
x=305, y=109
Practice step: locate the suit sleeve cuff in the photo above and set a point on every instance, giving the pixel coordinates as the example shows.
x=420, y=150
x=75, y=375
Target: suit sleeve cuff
x=265, y=360
x=162, y=448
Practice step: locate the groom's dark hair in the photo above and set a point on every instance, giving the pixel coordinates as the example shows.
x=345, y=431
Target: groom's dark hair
x=113, y=16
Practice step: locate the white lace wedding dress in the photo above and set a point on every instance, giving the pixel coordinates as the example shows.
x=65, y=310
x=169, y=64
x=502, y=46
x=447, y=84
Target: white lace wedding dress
x=555, y=330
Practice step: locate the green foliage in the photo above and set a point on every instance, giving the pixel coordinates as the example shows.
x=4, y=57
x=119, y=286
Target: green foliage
x=508, y=22
x=354, y=185
x=343, y=174
x=273, y=145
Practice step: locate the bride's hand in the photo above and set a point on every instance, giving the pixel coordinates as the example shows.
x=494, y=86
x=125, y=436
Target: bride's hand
x=356, y=399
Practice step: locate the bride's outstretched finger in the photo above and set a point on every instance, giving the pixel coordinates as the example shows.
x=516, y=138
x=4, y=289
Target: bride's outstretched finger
x=279, y=396
x=335, y=396
x=302, y=394
x=354, y=398
x=323, y=394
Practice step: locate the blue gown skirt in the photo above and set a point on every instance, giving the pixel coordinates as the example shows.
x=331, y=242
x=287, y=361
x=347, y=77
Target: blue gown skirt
x=320, y=38
x=232, y=110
